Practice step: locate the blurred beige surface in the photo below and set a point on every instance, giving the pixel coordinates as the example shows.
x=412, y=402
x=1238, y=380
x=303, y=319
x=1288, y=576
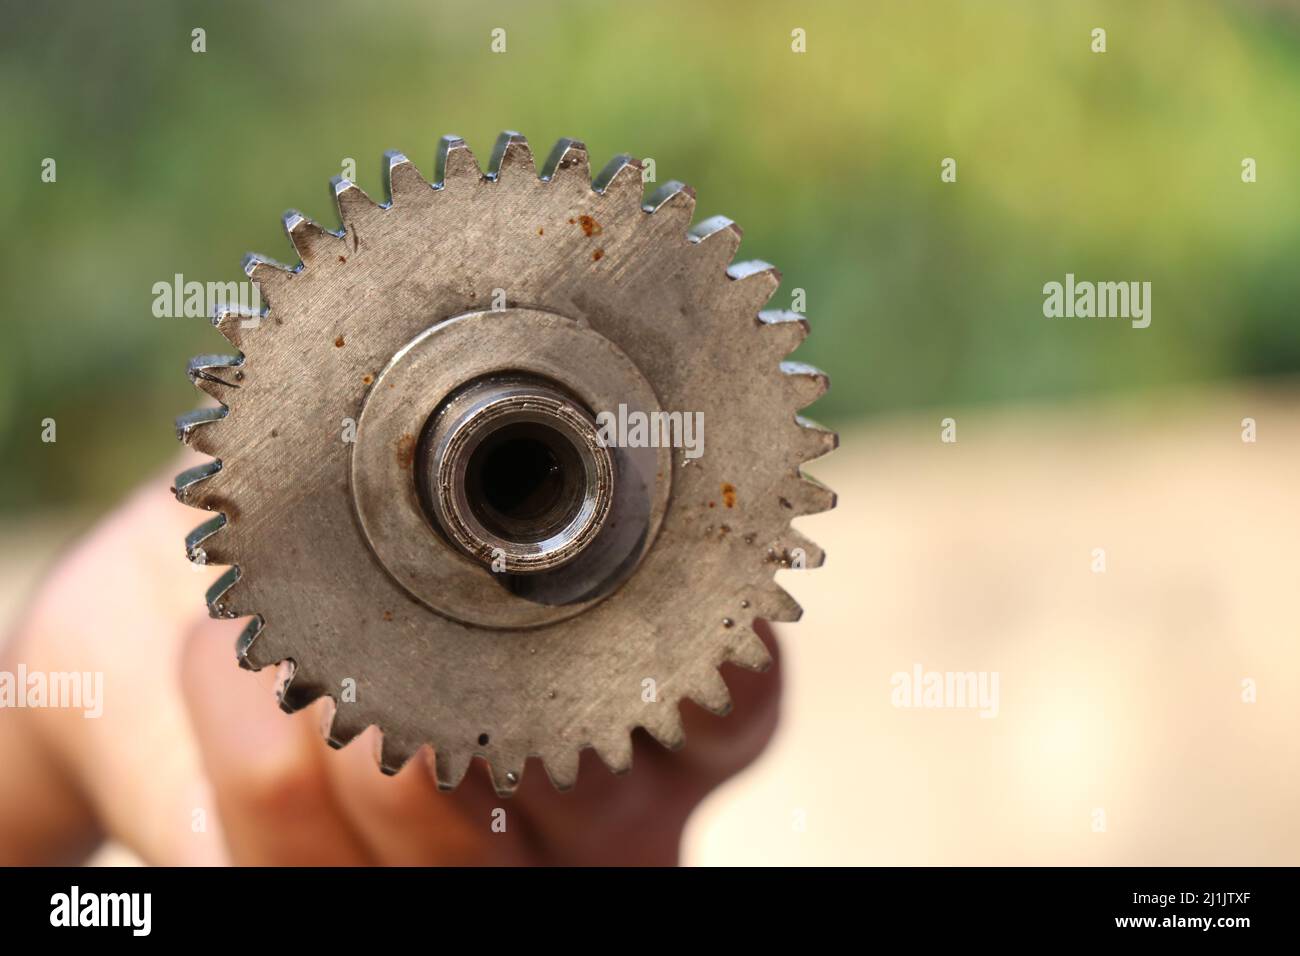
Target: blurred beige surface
x=1120, y=691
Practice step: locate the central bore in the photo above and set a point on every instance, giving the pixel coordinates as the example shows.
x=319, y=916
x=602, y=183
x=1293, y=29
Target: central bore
x=525, y=481
x=514, y=474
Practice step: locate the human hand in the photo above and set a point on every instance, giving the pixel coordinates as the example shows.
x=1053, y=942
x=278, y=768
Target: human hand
x=192, y=761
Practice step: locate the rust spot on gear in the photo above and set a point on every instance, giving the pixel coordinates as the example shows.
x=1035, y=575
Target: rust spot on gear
x=406, y=450
x=338, y=342
x=729, y=494
x=597, y=255
x=590, y=227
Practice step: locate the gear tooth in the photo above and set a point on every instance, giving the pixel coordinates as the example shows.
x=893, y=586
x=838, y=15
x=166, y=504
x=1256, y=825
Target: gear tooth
x=776, y=604
x=568, y=162
x=190, y=430
x=749, y=651
x=455, y=162
x=270, y=277
x=343, y=725
x=450, y=767
x=815, y=440
x=511, y=156
x=217, y=375
x=295, y=688
x=198, y=547
x=710, y=692
x=188, y=485
x=246, y=647
x=310, y=239
x=233, y=322
x=798, y=551
x=716, y=226
x=809, y=497
x=755, y=278
x=615, y=751
x=394, y=754
x=402, y=181
x=351, y=201
x=506, y=772
x=562, y=767
x=674, y=200
x=621, y=179
x=807, y=382
x=786, y=329
x=718, y=236
x=663, y=722
x=219, y=596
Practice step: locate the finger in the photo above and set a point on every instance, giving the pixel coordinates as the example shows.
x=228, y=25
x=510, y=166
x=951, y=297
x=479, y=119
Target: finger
x=44, y=815
x=266, y=768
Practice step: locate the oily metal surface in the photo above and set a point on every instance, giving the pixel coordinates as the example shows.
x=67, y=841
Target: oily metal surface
x=671, y=300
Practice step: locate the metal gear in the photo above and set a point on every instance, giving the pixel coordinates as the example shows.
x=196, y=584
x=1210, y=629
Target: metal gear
x=408, y=493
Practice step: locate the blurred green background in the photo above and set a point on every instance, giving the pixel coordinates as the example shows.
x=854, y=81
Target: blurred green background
x=1120, y=166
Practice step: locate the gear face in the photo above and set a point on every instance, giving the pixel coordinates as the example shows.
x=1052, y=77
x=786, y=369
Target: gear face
x=415, y=485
